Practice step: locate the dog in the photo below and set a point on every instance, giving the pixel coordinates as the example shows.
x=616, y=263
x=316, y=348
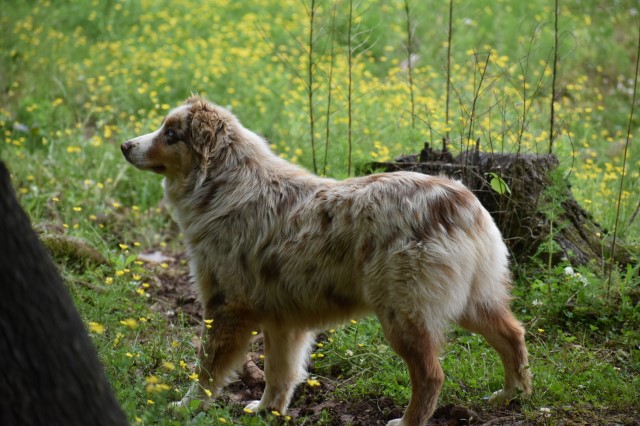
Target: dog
x=272, y=245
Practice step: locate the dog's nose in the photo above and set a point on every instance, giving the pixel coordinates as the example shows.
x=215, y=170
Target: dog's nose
x=126, y=146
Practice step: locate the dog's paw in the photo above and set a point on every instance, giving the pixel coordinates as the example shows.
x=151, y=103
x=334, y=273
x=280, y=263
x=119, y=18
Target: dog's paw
x=396, y=422
x=195, y=393
x=502, y=397
x=253, y=406
x=184, y=402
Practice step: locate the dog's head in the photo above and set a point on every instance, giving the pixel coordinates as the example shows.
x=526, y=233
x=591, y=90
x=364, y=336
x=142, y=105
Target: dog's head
x=189, y=139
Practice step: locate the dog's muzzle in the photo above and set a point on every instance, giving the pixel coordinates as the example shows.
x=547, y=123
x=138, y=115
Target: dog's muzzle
x=126, y=148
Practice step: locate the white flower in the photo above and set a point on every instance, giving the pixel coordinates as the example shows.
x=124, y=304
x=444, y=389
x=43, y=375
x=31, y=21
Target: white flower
x=582, y=279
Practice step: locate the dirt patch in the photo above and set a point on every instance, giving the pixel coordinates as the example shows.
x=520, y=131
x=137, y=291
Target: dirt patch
x=172, y=292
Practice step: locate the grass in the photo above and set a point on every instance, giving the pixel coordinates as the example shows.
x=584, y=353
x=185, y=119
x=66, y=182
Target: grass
x=78, y=78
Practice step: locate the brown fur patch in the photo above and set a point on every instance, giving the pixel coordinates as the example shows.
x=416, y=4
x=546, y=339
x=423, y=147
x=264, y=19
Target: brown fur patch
x=336, y=298
x=337, y=247
x=419, y=349
x=366, y=251
x=244, y=264
x=270, y=270
x=285, y=203
x=173, y=122
x=208, y=193
x=224, y=343
x=217, y=300
x=446, y=204
x=325, y=218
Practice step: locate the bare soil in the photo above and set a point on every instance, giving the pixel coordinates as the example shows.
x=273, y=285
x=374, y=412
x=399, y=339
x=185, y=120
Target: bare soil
x=175, y=298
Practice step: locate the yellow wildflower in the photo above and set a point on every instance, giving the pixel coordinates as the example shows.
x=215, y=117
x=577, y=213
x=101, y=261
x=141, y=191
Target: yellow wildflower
x=95, y=327
x=313, y=382
x=129, y=322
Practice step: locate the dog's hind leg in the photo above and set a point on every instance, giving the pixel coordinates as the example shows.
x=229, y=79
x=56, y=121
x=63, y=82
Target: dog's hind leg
x=419, y=348
x=286, y=355
x=506, y=335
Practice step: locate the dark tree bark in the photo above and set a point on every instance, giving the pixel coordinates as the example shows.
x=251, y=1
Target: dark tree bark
x=49, y=370
x=522, y=214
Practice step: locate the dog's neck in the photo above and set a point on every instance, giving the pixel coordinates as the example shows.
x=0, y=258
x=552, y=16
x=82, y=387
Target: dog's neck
x=247, y=160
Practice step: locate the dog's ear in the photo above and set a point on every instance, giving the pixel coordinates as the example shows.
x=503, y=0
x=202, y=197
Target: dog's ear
x=194, y=98
x=210, y=130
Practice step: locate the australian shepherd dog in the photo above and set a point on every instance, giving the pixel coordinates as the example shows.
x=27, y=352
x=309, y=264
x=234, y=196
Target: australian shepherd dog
x=274, y=246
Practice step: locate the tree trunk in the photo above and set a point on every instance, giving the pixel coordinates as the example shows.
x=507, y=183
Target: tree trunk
x=49, y=371
x=532, y=205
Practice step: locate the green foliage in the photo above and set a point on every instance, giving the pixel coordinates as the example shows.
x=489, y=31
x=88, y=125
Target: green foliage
x=552, y=207
x=498, y=184
x=577, y=297
x=79, y=78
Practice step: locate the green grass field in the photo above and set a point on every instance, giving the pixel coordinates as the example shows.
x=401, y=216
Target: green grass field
x=79, y=78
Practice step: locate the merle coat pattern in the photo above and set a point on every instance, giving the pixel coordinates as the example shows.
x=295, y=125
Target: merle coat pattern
x=274, y=246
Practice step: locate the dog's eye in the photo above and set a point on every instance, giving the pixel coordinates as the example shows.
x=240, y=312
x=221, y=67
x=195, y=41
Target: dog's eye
x=171, y=135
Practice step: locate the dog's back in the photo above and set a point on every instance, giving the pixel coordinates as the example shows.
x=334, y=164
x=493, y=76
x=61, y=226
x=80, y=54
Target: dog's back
x=330, y=250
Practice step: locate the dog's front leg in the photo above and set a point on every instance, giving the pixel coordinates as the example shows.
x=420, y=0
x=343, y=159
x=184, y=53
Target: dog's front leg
x=286, y=355
x=225, y=339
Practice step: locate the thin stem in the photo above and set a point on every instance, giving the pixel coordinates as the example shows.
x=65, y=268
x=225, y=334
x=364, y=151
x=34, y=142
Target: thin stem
x=449, y=39
x=634, y=215
x=624, y=164
x=410, y=62
x=476, y=95
x=553, y=80
x=312, y=11
x=349, y=92
x=526, y=106
x=330, y=82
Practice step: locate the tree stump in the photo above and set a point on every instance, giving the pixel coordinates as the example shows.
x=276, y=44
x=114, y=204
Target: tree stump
x=527, y=197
